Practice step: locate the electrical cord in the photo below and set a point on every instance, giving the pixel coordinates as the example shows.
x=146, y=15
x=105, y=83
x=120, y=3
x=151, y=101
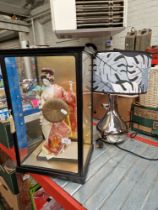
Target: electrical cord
x=126, y=150
x=133, y=135
x=135, y=154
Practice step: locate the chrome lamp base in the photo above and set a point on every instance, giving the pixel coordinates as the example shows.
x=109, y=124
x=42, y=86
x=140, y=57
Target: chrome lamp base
x=111, y=127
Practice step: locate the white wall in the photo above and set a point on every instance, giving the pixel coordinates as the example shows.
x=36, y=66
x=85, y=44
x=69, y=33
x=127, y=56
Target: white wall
x=141, y=14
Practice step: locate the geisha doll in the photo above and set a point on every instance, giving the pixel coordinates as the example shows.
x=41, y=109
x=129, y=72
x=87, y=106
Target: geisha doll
x=56, y=106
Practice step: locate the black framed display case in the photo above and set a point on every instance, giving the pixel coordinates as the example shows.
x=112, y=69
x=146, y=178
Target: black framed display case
x=49, y=95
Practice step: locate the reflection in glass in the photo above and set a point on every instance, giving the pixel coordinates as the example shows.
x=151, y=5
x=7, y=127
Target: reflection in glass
x=6, y=122
x=87, y=105
x=50, y=112
x=3, y=101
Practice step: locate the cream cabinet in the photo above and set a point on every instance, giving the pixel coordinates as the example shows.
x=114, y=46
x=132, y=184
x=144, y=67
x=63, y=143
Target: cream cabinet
x=70, y=17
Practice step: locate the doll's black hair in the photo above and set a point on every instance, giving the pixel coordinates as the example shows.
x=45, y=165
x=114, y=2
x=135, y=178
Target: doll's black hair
x=47, y=73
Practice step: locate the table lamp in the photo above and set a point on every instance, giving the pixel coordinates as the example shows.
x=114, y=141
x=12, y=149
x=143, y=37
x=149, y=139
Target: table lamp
x=118, y=73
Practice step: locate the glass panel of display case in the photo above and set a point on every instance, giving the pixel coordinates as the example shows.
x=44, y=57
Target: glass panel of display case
x=87, y=105
x=49, y=96
x=5, y=117
x=49, y=108
x=3, y=100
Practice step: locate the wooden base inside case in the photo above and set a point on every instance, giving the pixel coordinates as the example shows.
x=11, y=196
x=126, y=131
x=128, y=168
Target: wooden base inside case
x=65, y=162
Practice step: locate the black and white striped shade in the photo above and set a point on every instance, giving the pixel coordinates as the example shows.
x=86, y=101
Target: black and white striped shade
x=121, y=72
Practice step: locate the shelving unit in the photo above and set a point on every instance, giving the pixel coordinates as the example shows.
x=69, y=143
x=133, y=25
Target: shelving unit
x=66, y=200
x=112, y=174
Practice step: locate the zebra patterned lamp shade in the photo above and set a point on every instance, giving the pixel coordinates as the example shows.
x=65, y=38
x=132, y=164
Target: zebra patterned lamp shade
x=121, y=72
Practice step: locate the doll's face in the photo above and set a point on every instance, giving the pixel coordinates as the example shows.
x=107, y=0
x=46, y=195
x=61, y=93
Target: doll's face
x=46, y=82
